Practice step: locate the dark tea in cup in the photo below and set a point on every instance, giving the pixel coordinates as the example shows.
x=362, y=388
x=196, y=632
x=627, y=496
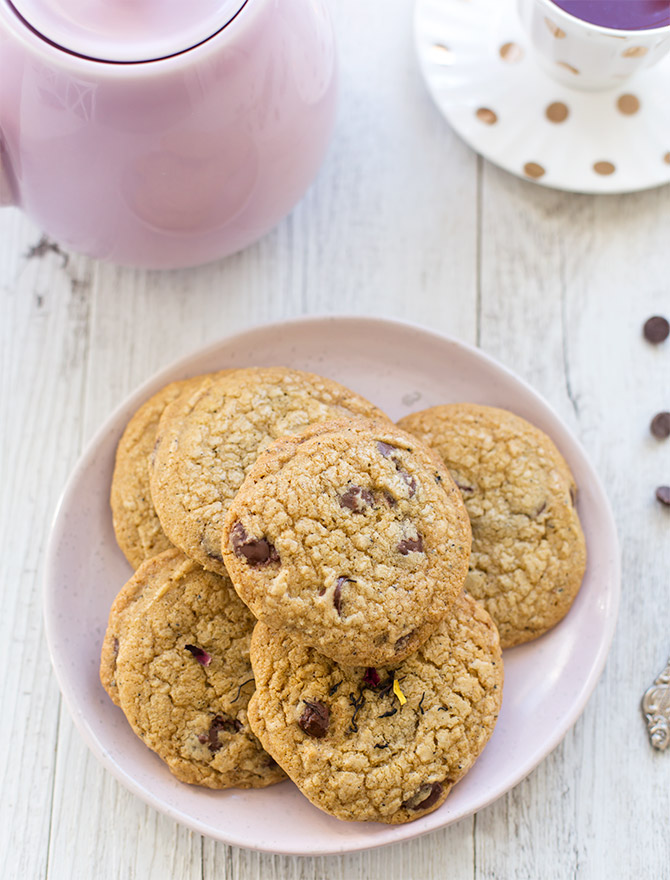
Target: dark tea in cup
x=625, y=15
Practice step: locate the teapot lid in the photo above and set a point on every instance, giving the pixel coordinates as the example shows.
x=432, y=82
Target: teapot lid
x=127, y=30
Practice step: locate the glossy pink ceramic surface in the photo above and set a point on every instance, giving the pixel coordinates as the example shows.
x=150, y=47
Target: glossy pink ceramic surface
x=172, y=162
x=127, y=30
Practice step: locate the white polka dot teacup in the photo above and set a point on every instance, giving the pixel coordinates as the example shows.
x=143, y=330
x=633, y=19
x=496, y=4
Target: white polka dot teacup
x=585, y=55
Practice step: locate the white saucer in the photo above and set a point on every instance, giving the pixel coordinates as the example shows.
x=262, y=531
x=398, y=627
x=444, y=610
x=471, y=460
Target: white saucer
x=480, y=69
x=402, y=368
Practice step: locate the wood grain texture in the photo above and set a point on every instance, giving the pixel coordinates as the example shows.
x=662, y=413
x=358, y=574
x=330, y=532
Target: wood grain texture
x=404, y=221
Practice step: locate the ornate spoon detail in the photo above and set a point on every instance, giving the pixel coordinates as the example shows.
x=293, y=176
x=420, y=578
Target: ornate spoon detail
x=656, y=708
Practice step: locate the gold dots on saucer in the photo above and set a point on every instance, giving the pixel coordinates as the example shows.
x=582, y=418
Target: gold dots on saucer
x=486, y=115
x=628, y=104
x=512, y=53
x=666, y=158
x=557, y=112
x=441, y=54
x=555, y=30
x=533, y=170
x=635, y=52
x=604, y=168
x=568, y=67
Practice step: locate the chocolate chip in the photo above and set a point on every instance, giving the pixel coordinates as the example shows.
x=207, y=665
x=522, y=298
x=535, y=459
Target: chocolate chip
x=257, y=552
x=401, y=644
x=663, y=494
x=465, y=488
x=315, y=719
x=115, y=646
x=427, y=796
x=409, y=545
x=541, y=508
x=385, y=448
x=219, y=723
x=389, y=499
x=357, y=499
x=656, y=329
x=201, y=656
x=387, y=451
x=337, y=595
x=409, y=479
x=660, y=425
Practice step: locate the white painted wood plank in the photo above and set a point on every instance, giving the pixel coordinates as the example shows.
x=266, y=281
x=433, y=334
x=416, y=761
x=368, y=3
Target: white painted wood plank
x=44, y=345
x=567, y=283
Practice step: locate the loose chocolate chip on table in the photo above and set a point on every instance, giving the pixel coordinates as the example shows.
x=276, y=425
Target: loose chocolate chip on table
x=663, y=494
x=201, y=656
x=656, y=329
x=315, y=719
x=660, y=425
x=256, y=551
x=426, y=797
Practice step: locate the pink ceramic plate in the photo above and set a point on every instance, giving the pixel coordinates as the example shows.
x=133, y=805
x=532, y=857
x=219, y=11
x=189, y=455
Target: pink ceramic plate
x=401, y=368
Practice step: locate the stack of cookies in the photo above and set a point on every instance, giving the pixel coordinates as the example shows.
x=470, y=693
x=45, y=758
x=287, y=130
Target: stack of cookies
x=305, y=600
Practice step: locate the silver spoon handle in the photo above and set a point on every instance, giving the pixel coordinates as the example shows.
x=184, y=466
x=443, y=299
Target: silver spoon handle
x=656, y=708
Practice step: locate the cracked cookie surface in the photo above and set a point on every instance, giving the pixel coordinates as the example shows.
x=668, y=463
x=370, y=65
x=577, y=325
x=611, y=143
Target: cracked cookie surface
x=351, y=536
x=184, y=678
x=528, y=549
x=349, y=742
x=208, y=440
x=136, y=525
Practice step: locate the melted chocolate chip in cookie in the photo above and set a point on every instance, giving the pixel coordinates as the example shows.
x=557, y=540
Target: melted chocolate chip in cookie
x=219, y=723
x=387, y=451
x=257, y=551
x=357, y=499
x=426, y=797
x=401, y=644
x=315, y=719
x=337, y=595
x=411, y=545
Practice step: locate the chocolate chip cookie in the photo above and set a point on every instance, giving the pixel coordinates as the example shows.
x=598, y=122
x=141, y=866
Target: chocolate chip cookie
x=136, y=525
x=208, y=440
x=351, y=536
x=380, y=744
x=146, y=580
x=528, y=549
x=183, y=675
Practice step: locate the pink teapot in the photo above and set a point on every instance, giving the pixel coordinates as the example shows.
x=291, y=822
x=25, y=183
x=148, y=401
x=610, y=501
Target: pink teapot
x=162, y=133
